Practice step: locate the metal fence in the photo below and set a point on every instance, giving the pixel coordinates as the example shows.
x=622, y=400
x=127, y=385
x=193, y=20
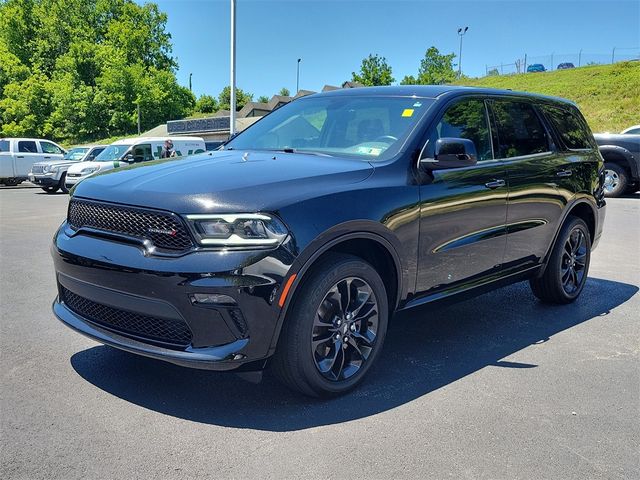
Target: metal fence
x=555, y=60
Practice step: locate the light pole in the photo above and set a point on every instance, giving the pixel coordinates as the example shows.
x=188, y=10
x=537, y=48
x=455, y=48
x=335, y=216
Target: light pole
x=613, y=54
x=298, y=76
x=461, y=33
x=232, y=100
x=580, y=57
x=190, y=81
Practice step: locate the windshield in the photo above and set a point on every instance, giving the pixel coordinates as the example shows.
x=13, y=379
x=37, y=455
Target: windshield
x=112, y=152
x=366, y=127
x=75, y=153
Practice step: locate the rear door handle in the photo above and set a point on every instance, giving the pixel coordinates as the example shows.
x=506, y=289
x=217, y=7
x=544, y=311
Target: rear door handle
x=20, y=156
x=495, y=184
x=564, y=173
x=47, y=157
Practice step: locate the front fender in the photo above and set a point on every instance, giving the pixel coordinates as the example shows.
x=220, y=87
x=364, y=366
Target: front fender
x=619, y=151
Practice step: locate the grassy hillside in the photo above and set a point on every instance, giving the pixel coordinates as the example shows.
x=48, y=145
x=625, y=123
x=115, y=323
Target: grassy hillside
x=608, y=95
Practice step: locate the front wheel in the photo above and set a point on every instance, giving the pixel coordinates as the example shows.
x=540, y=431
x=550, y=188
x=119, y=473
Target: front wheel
x=335, y=328
x=50, y=190
x=566, y=272
x=62, y=185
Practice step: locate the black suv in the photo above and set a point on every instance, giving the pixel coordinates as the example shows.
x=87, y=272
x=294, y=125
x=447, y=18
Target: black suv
x=293, y=245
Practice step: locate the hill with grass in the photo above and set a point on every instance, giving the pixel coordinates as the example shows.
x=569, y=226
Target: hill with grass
x=608, y=95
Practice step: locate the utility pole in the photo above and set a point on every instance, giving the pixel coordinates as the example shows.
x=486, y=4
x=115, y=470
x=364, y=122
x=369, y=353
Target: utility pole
x=232, y=113
x=190, y=82
x=613, y=54
x=461, y=33
x=524, y=68
x=580, y=57
x=298, y=77
x=552, y=60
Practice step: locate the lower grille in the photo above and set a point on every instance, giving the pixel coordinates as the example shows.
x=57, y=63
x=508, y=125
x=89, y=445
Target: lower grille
x=37, y=169
x=174, y=333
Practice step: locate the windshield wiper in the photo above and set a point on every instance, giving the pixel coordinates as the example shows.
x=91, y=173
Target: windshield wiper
x=305, y=152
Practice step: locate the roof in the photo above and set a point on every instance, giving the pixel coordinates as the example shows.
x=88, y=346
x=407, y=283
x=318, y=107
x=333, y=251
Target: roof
x=433, y=91
x=156, y=139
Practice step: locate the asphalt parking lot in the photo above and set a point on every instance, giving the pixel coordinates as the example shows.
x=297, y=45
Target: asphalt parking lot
x=496, y=387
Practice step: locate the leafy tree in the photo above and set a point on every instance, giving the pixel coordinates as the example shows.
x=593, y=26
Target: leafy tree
x=436, y=68
x=284, y=91
x=76, y=69
x=374, y=70
x=409, y=80
x=263, y=99
x=224, y=99
x=493, y=72
x=206, y=104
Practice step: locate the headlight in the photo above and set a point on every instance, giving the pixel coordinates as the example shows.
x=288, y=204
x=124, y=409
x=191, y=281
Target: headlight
x=242, y=230
x=45, y=169
x=88, y=170
x=54, y=169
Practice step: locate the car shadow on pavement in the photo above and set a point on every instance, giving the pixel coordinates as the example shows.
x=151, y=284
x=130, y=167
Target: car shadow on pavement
x=424, y=351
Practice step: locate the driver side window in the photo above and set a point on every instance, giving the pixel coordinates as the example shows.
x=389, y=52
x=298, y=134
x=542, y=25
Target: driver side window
x=465, y=119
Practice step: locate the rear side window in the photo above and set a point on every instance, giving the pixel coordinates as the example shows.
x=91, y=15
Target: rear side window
x=570, y=127
x=520, y=131
x=4, y=145
x=26, y=146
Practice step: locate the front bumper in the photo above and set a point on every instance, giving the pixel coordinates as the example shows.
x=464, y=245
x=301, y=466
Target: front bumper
x=70, y=180
x=121, y=276
x=46, y=180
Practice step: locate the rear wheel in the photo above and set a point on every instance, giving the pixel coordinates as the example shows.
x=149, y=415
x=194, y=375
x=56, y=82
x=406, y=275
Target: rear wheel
x=335, y=328
x=616, y=180
x=566, y=272
x=50, y=189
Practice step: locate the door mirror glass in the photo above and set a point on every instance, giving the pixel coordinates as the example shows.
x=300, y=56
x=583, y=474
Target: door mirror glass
x=451, y=153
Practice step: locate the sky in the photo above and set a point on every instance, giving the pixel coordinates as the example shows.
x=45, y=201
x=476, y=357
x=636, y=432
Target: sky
x=333, y=36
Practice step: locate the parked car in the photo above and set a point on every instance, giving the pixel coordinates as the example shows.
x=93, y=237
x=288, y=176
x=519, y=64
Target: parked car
x=213, y=145
x=565, y=66
x=17, y=155
x=51, y=175
x=635, y=130
x=294, y=245
x=536, y=67
x=129, y=151
x=621, y=153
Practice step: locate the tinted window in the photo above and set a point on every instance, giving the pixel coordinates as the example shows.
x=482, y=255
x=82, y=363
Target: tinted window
x=94, y=153
x=4, y=145
x=633, y=131
x=572, y=130
x=465, y=119
x=520, y=131
x=27, y=147
x=48, y=147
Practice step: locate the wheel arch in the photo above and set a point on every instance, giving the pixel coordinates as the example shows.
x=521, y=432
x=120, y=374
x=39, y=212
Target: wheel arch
x=620, y=156
x=372, y=247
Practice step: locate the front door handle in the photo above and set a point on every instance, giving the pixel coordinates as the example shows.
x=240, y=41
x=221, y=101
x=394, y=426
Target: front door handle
x=495, y=184
x=47, y=157
x=564, y=173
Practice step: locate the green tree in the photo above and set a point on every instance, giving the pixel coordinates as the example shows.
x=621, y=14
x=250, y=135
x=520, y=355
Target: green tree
x=493, y=72
x=436, y=68
x=374, y=70
x=409, y=80
x=263, y=99
x=206, y=104
x=242, y=97
x=77, y=69
x=284, y=91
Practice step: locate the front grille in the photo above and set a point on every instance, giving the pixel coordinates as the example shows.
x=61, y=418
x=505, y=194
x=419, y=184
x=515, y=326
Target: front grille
x=37, y=169
x=156, y=330
x=164, y=230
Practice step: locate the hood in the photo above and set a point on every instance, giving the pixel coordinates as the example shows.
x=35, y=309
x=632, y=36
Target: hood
x=77, y=167
x=57, y=163
x=225, y=181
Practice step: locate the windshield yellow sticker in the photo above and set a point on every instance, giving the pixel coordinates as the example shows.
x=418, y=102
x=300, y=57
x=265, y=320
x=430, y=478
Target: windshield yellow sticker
x=407, y=112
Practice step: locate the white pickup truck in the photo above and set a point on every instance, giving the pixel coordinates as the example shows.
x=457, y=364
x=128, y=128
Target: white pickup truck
x=17, y=155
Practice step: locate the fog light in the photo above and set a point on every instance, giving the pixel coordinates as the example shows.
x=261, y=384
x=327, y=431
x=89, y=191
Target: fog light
x=212, y=299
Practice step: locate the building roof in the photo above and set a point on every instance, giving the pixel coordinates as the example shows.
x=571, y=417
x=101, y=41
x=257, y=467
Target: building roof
x=304, y=93
x=251, y=106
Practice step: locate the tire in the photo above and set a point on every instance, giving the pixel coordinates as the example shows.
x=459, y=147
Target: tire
x=566, y=272
x=50, y=190
x=61, y=185
x=616, y=180
x=318, y=314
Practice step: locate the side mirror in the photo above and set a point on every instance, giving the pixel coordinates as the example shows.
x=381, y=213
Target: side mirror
x=129, y=158
x=452, y=153
x=91, y=157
